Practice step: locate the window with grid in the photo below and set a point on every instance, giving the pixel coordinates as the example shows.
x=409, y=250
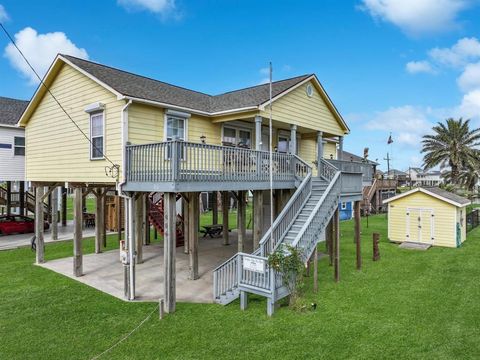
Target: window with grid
x=97, y=141
x=19, y=145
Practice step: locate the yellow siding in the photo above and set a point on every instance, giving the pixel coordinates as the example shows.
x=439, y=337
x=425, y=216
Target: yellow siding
x=308, y=112
x=444, y=219
x=55, y=149
x=329, y=150
x=198, y=126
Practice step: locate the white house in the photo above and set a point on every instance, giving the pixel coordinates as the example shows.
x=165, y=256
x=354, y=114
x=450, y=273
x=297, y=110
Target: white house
x=420, y=177
x=12, y=150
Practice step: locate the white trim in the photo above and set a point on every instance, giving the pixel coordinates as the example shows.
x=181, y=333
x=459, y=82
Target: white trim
x=177, y=113
x=399, y=196
x=185, y=126
x=421, y=212
x=234, y=126
x=95, y=107
x=90, y=143
x=24, y=145
x=11, y=126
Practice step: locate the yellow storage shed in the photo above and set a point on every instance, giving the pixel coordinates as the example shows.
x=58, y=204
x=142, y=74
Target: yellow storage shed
x=429, y=216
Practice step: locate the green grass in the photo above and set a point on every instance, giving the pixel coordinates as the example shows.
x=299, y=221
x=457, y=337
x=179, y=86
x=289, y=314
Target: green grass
x=407, y=305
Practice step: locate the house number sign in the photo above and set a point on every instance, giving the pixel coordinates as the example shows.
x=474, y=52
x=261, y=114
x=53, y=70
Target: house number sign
x=252, y=264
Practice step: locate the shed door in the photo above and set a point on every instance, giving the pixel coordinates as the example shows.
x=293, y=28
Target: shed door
x=420, y=225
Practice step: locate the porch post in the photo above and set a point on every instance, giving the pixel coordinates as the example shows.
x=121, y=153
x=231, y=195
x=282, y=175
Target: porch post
x=340, y=148
x=77, y=232
x=257, y=218
x=130, y=235
x=293, y=139
x=40, y=250
x=358, y=246
x=169, y=241
x=319, y=152
x=146, y=219
x=225, y=210
x=258, y=133
x=139, y=227
x=54, y=210
x=186, y=221
x=241, y=214
x=193, y=214
x=336, y=245
x=103, y=215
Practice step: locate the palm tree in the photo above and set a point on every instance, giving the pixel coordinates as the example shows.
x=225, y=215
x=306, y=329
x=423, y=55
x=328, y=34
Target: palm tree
x=452, y=145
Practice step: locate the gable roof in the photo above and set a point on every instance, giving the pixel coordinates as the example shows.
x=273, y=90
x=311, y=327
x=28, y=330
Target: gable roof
x=137, y=86
x=11, y=110
x=436, y=192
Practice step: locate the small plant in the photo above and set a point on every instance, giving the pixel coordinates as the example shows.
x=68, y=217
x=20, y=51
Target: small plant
x=287, y=261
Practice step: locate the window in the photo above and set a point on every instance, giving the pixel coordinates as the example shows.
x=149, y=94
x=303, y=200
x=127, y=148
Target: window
x=19, y=146
x=175, y=128
x=344, y=206
x=237, y=137
x=97, y=143
x=283, y=143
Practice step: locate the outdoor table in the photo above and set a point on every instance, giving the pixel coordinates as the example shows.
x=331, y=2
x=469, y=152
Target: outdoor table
x=214, y=230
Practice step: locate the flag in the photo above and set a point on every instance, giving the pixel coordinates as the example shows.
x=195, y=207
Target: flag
x=390, y=140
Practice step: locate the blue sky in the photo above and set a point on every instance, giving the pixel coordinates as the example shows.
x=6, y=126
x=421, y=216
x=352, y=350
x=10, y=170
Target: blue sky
x=389, y=65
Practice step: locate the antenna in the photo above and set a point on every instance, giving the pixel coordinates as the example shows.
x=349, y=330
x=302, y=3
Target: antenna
x=271, y=155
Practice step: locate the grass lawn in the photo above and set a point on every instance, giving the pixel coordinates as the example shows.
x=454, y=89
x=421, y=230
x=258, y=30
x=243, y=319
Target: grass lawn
x=408, y=305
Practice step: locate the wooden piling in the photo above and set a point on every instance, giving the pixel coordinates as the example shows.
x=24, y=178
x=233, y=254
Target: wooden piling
x=77, y=233
x=169, y=241
x=358, y=245
x=376, y=250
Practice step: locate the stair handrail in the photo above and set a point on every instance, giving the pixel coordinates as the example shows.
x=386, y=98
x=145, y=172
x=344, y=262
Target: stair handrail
x=372, y=190
x=334, y=183
x=298, y=198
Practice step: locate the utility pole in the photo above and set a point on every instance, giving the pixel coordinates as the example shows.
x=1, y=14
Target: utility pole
x=388, y=163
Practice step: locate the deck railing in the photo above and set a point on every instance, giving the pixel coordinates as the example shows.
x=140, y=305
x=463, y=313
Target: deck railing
x=181, y=161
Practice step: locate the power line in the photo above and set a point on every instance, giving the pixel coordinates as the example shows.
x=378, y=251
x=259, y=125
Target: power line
x=114, y=166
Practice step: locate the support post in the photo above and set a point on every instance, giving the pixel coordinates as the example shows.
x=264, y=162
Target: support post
x=293, y=139
x=103, y=216
x=22, y=198
x=336, y=246
x=225, y=210
x=358, y=247
x=193, y=214
x=243, y=300
x=214, y=208
x=139, y=227
x=257, y=218
x=340, y=148
x=130, y=234
x=118, y=206
x=98, y=221
x=64, y=206
x=315, y=270
x=258, y=132
x=319, y=152
x=169, y=241
x=241, y=215
x=186, y=221
x=77, y=232
x=40, y=246
x=9, y=197
x=54, y=210
x=331, y=236
x=146, y=220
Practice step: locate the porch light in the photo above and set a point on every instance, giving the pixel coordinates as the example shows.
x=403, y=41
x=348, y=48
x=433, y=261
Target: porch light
x=203, y=139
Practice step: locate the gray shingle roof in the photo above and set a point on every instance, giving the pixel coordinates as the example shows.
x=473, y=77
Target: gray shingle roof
x=133, y=85
x=11, y=110
x=448, y=195
x=348, y=156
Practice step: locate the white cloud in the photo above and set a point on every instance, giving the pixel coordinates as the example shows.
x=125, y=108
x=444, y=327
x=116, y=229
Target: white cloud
x=470, y=106
x=3, y=14
x=417, y=16
x=470, y=78
x=408, y=123
x=463, y=51
x=40, y=50
x=415, y=67
x=161, y=7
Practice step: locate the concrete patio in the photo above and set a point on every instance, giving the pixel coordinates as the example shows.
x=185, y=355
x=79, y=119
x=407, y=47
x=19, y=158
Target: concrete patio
x=8, y=242
x=105, y=272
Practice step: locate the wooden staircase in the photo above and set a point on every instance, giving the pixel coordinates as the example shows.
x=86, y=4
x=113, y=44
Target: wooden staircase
x=156, y=216
x=29, y=201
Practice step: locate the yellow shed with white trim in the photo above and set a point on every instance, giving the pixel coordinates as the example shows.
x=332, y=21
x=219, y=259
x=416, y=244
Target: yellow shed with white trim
x=427, y=215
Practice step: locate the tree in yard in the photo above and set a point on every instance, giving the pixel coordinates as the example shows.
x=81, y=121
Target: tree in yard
x=452, y=145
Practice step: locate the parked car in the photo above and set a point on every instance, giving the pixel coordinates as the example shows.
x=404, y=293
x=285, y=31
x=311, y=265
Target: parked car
x=18, y=224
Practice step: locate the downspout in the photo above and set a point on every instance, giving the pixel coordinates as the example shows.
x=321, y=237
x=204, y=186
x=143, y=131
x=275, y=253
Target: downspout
x=130, y=286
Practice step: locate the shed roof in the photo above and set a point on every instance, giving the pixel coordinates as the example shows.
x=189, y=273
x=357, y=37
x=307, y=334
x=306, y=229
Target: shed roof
x=436, y=192
x=11, y=110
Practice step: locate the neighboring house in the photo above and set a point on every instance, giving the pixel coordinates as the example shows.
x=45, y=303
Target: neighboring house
x=12, y=155
x=420, y=177
x=398, y=175
x=429, y=216
x=157, y=143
